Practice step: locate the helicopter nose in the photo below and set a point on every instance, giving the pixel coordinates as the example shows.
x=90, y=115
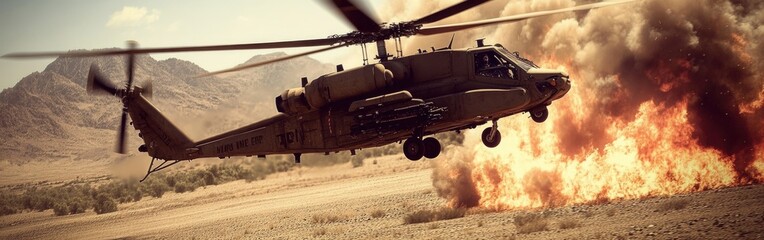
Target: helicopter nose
x=564, y=83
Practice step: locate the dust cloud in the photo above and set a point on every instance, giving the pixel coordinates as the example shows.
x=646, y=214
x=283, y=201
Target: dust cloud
x=667, y=98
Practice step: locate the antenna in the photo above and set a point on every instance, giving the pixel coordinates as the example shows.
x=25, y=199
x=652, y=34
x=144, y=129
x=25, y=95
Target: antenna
x=452, y=41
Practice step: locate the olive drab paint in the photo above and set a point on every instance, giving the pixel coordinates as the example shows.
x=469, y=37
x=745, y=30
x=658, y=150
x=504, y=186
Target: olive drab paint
x=372, y=105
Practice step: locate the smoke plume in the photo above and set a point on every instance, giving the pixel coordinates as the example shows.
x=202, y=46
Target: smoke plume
x=667, y=98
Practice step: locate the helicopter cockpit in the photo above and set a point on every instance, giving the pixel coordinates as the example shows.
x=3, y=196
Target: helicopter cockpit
x=495, y=65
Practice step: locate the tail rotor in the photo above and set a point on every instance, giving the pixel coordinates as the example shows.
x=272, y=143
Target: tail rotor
x=98, y=85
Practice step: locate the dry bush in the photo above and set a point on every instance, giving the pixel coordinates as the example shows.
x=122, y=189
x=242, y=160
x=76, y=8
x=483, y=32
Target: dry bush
x=433, y=226
x=530, y=223
x=329, y=218
x=673, y=204
x=610, y=212
x=378, y=213
x=320, y=232
x=588, y=214
x=569, y=223
x=423, y=216
x=60, y=209
x=420, y=216
x=451, y=213
x=104, y=204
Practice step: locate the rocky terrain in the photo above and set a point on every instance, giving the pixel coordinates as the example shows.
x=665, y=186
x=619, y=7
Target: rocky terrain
x=48, y=117
x=374, y=201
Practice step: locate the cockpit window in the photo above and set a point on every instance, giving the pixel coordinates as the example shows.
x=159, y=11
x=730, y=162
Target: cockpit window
x=492, y=64
x=515, y=57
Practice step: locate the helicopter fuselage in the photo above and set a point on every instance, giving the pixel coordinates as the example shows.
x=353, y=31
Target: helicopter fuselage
x=377, y=104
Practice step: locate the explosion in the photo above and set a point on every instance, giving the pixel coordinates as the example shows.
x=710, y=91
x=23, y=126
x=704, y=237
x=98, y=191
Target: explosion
x=667, y=98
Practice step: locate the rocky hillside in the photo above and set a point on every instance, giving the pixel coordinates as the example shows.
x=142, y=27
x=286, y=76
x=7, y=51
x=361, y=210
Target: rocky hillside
x=48, y=114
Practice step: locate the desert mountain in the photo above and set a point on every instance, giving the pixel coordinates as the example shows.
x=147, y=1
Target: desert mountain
x=48, y=114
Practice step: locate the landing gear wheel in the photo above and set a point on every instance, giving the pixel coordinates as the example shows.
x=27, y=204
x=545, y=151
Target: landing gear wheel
x=413, y=148
x=489, y=141
x=539, y=115
x=431, y=147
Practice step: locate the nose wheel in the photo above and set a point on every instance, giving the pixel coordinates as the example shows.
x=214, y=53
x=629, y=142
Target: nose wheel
x=540, y=114
x=491, y=136
x=415, y=148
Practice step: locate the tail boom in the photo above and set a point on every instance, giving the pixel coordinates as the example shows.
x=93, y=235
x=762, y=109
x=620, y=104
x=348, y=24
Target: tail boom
x=163, y=140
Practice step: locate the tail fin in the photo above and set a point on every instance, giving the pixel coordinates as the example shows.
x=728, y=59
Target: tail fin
x=163, y=140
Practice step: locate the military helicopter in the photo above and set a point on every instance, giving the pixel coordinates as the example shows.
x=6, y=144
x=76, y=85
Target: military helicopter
x=398, y=98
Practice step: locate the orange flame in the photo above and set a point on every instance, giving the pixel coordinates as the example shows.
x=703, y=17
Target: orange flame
x=648, y=145
x=652, y=154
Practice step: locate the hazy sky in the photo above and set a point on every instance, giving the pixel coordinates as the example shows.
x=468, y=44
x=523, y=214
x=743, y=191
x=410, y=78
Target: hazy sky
x=56, y=25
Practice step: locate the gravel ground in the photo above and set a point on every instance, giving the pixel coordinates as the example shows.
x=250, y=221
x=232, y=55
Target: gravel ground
x=372, y=201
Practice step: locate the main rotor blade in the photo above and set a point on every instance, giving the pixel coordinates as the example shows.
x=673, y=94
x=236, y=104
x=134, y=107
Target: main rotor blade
x=122, y=135
x=449, y=11
x=257, y=64
x=247, y=46
x=130, y=66
x=356, y=16
x=514, y=18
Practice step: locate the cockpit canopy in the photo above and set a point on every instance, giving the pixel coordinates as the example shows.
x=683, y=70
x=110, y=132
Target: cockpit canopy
x=497, y=62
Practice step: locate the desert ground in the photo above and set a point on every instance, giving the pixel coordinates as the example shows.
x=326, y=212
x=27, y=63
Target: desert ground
x=372, y=201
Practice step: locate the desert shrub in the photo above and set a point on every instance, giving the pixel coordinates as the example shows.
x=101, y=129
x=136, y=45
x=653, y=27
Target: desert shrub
x=421, y=216
x=674, y=204
x=181, y=187
x=104, y=204
x=209, y=178
x=34, y=200
x=320, y=232
x=9, y=204
x=378, y=213
x=77, y=205
x=356, y=161
x=137, y=195
x=126, y=191
x=66, y=199
x=530, y=223
x=450, y=213
x=329, y=218
x=569, y=223
x=433, y=226
x=171, y=180
x=610, y=212
x=77, y=196
x=60, y=209
x=155, y=188
x=7, y=210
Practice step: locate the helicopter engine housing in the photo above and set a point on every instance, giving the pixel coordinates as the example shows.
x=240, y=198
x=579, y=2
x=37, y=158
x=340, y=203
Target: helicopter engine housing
x=335, y=87
x=339, y=86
